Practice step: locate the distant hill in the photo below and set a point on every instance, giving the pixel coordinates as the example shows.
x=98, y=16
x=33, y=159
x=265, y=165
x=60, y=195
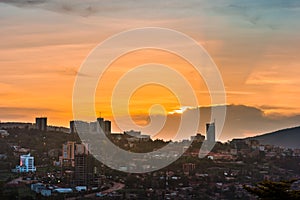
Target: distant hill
x=289, y=138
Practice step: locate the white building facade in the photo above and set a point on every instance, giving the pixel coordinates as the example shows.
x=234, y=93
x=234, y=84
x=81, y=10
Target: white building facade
x=26, y=164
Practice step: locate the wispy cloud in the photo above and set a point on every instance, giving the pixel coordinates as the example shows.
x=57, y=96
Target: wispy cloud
x=23, y=113
x=270, y=76
x=270, y=107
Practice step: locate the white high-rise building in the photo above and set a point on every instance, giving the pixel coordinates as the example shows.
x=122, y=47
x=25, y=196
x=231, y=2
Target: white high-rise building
x=210, y=132
x=26, y=164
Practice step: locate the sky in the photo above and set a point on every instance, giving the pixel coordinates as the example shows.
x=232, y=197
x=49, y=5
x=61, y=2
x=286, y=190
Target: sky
x=255, y=45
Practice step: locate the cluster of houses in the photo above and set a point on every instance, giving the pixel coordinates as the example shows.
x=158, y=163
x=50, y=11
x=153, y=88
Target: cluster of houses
x=48, y=190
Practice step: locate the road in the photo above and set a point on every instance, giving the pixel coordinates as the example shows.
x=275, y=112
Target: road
x=115, y=187
x=15, y=181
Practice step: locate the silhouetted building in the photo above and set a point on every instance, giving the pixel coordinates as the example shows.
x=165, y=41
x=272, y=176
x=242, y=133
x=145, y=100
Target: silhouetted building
x=134, y=136
x=41, y=123
x=104, y=125
x=107, y=127
x=100, y=120
x=210, y=132
x=19, y=125
x=58, y=129
x=198, y=138
x=81, y=127
x=133, y=133
x=72, y=127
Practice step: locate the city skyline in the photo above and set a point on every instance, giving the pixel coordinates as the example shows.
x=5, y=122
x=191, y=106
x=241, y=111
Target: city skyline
x=139, y=99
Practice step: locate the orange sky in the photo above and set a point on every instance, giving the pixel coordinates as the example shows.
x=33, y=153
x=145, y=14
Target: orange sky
x=256, y=48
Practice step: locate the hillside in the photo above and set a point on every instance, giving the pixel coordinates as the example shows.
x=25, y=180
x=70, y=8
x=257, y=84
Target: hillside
x=289, y=138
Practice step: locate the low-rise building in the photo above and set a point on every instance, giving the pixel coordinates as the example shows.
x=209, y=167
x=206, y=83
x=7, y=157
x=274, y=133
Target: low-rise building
x=26, y=164
x=4, y=133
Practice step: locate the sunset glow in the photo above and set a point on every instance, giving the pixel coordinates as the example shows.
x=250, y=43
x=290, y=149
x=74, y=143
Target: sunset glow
x=256, y=48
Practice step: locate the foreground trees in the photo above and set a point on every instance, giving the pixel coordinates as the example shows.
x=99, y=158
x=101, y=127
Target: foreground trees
x=268, y=190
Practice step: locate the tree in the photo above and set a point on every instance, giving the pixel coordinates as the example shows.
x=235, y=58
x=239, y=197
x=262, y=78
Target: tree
x=268, y=190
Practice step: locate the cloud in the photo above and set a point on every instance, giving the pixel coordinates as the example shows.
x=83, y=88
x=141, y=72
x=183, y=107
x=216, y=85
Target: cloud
x=112, y=7
x=85, y=8
x=23, y=2
x=259, y=13
x=21, y=113
x=269, y=107
x=241, y=121
x=82, y=8
x=269, y=77
x=66, y=71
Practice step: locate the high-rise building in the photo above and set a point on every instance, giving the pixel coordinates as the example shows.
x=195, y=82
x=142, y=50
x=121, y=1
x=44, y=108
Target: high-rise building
x=92, y=127
x=68, y=152
x=26, y=164
x=78, y=126
x=72, y=127
x=100, y=120
x=41, y=123
x=81, y=149
x=210, y=132
x=107, y=127
x=83, y=165
x=104, y=125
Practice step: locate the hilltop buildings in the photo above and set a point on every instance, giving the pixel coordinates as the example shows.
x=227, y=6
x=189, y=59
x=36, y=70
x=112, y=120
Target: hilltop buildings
x=20, y=125
x=105, y=126
x=198, y=138
x=136, y=136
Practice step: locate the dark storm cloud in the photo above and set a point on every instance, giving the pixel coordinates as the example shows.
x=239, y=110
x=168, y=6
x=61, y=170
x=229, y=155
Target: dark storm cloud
x=241, y=121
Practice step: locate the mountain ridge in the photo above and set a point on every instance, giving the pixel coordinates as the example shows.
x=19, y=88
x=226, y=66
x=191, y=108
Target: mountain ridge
x=288, y=137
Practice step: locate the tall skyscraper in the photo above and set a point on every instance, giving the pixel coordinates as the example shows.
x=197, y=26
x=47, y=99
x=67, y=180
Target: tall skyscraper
x=107, y=127
x=210, y=132
x=100, y=120
x=83, y=167
x=76, y=156
x=104, y=125
x=72, y=127
x=41, y=123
